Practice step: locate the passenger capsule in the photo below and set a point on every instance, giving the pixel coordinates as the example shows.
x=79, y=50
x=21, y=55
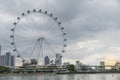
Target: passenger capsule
x=14, y=23
x=60, y=56
x=11, y=36
x=12, y=43
x=64, y=33
x=51, y=14
x=18, y=18
x=65, y=45
x=23, y=60
x=55, y=18
x=59, y=23
x=34, y=10
x=18, y=56
x=65, y=39
x=12, y=29
x=14, y=50
x=40, y=10
x=63, y=51
x=62, y=28
x=28, y=11
x=23, y=14
x=45, y=12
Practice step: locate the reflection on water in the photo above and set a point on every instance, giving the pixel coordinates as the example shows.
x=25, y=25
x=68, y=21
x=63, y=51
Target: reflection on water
x=64, y=77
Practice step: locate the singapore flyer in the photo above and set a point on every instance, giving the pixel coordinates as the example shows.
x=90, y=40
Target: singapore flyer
x=36, y=34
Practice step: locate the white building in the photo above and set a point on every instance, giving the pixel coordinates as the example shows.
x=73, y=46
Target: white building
x=117, y=65
x=78, y=65
x=102, y=64
x=58, y=60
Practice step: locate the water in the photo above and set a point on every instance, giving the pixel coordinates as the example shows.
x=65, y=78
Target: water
x=64, y=77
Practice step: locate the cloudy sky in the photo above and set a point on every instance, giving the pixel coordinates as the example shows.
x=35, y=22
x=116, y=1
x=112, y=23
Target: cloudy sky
x=92, y=26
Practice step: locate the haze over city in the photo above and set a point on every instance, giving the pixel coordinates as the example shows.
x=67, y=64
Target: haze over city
x=92, y=26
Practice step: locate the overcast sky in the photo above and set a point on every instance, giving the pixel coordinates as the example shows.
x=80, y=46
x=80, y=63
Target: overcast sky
x=92, y=26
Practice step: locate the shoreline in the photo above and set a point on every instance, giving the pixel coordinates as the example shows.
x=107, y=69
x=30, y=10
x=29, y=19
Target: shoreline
x=91, y=73
x=28, y=74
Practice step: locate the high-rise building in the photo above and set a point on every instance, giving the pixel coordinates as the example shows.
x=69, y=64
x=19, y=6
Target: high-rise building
x=12, y=61
x=7, y=60
x=58, y=59
x=46, y=60
x=77, y=63
x=3, y=60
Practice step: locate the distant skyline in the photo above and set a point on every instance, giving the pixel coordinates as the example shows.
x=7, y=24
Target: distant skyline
x=92, y=26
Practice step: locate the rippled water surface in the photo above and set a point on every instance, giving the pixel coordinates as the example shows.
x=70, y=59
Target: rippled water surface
x=64, y=77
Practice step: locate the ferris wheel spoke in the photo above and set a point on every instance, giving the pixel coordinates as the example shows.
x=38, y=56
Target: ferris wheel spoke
x=51, y=28
x=37, y=24
x=28, y=28
x=33, y=50
x=41, y=23
x=49, y=51
x=25, y=26
x=24, y=42
x=45, y=23
x=50, y=47
x=33, y=21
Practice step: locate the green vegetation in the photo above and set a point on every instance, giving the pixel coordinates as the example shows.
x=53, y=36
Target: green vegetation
x=4, y=69
x=71, y=68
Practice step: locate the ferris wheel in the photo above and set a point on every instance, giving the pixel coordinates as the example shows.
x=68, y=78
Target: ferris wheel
x=37, y=34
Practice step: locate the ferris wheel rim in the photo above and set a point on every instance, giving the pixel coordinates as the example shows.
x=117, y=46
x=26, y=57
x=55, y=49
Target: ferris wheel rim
x=39, y=12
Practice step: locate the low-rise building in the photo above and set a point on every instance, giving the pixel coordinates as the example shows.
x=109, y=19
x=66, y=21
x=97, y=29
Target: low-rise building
x=117, y=65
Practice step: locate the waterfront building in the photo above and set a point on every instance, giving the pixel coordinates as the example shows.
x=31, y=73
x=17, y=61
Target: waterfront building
x=46, y=60
x=77, y=63
x=58, y=60
x=117, y=65
x=102, y=64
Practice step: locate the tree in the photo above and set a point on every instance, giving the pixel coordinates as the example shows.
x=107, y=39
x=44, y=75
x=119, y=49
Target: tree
x=71, y=68
x=33, y=62
x=4, y=69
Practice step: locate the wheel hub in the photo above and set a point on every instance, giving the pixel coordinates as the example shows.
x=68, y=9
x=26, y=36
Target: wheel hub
x=42, y=38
